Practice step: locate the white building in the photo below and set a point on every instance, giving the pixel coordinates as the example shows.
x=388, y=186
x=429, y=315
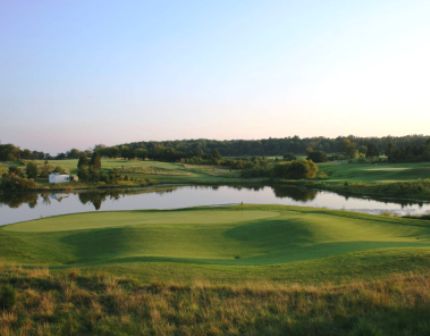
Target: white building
x=55, y=178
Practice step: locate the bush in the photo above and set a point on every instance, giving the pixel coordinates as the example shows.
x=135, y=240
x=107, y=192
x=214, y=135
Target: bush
x=289, y=157
x=13, y=183
x=298, y=169
x=317, y=156
x=7, y=297
x=14, y=170
x=59, y=170
x=31, y=170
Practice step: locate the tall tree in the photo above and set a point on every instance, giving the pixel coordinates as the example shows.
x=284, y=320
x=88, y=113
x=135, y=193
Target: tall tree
x=31, y=170
x=96, y=161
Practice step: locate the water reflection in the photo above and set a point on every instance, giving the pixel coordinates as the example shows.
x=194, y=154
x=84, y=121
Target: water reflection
x=24, y=206
x=300, y=194
x=96, y=198
x=16, y=200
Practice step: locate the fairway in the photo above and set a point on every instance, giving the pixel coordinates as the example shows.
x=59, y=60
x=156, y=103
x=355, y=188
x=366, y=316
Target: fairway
x=247, y=238
x=376, y=172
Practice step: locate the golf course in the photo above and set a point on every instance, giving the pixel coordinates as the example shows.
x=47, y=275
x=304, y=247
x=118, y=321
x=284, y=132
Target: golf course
x=318, y=271
x=244, y=236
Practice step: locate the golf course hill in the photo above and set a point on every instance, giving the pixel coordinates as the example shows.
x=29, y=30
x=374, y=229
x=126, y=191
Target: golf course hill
x=225, y=242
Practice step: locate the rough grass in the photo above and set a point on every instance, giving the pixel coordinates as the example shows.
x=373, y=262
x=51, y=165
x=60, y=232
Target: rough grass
x=76, y=303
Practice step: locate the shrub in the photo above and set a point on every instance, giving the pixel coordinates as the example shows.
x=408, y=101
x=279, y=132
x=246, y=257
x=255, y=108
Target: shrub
x=13, y=183
x=297, y=169
x=31, y=170
x=14, y=170
x=317, y=156
x=289, y=157
x=60, y=170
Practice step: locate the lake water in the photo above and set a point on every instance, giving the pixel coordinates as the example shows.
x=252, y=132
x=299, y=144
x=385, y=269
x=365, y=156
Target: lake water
x=22, y=207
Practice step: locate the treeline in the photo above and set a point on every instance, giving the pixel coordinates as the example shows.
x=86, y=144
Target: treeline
x=396, y=149
x=411, y=148
x=9, y=152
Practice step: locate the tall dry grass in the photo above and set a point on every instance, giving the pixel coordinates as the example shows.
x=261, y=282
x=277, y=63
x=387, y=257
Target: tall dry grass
x=101, y=304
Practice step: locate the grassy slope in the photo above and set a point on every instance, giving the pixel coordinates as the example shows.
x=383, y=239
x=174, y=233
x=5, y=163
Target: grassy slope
x=143, y=171
x=301, y=271
x=76, y=303
x=405, y=182
x=222, y=243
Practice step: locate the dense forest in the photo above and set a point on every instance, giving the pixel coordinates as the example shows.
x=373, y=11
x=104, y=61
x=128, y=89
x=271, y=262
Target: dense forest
x=413, y=148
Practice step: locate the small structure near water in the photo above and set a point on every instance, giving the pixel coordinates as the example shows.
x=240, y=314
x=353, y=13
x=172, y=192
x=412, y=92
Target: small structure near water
x=56, y=178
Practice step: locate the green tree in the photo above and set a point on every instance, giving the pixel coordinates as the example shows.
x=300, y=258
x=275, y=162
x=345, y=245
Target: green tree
x=289, y=157
x=9, y=152
x=83, y=161
x=372, y=150
x=215, y=156
x=31, y=170
x=297, y=169
x=83, y=167
x=317, y=156
x=96, y=162
x=349, y=147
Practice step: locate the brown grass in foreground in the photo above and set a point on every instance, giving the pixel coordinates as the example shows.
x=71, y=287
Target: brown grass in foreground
x=100, y=304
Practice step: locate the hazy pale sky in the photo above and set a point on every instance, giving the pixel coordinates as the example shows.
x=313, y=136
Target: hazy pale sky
x=75, y=73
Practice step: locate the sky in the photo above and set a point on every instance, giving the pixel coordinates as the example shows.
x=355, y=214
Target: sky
x=75, y=73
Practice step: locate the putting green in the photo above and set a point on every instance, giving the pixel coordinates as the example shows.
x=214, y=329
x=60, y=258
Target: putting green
x=240, y=235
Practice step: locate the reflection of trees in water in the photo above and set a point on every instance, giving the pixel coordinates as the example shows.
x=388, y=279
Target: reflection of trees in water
x=385, y=200
x=159, y=191
x=15, y=200
x=96, y=198
x=253, y=187
x=45, y=199
x=296, y=193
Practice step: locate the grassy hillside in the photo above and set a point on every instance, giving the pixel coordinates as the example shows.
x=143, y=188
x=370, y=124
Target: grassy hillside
x=406, y=181
x=141, y=173
x=252, y=239
x=79, y=303
x=242, y=270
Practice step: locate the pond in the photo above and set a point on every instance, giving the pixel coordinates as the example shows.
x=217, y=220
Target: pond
x=20, y=207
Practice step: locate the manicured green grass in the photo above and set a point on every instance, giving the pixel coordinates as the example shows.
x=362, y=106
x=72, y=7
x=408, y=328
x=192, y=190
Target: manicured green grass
x=379, y=172
x=401, y=182
x=222, y=243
